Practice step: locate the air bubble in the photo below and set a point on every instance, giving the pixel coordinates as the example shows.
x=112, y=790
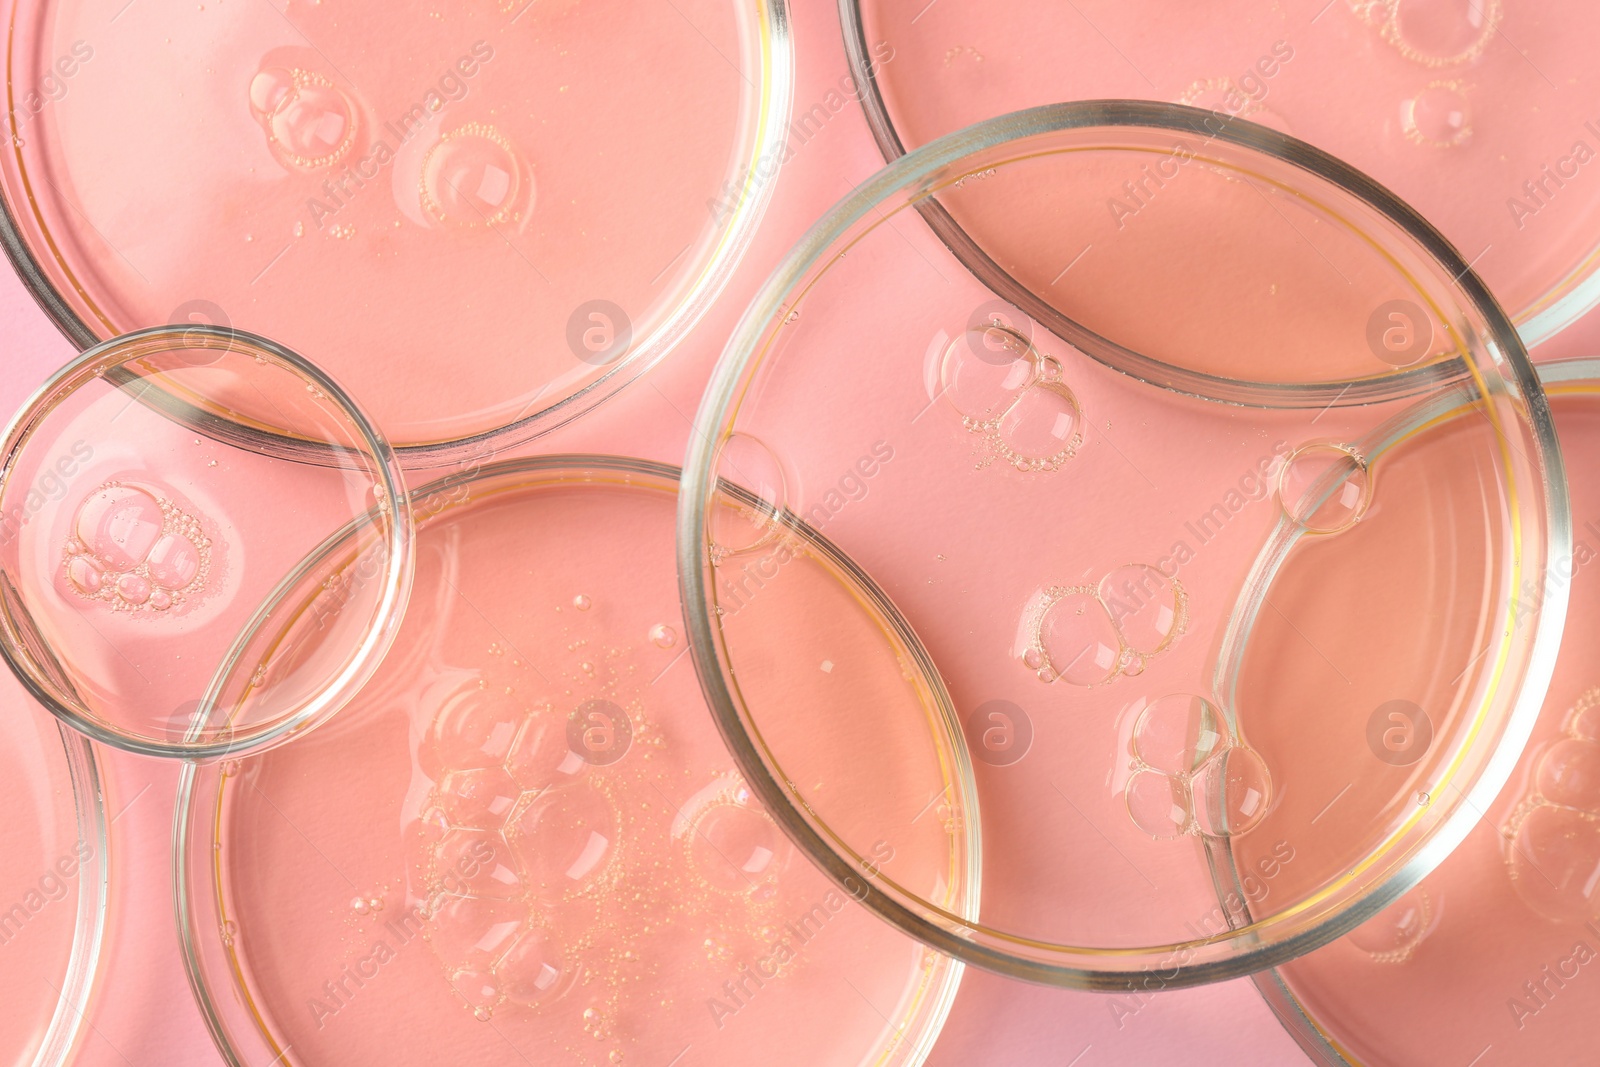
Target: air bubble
x=120, y=524
x=1438, y=116
x=1079, y=640
x=663, y=636
x=1568, y=774
x=1395, y=933
x=1554, y=862
x=474, y=728
x=472, y=931
x=741, y=521
x=133, y=549
x=479, y=988
x=1158, y=804
x=1231, y=793
x=1041, y=427
x=540, y=756
x=533, y=970
x=984, y=370
x=309, y=123
x=1177, y=734
x=473, y=176
x=1149, y=609
x=476, y=863
x=1442, y=33
x=1324, y=488
x=564, y=838
x=581, y=602
x=480, y=798
x=736, y=848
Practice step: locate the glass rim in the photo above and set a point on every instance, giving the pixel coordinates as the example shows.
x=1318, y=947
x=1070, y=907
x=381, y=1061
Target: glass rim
x=1107, y=969
x=195, y=817
x=101, y=362
x=1561, y=378
x=1563, y=305
x=768, y=133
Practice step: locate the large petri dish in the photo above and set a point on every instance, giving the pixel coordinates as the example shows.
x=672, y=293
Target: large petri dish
x=526, y=842
x=1082, y=553
x=167, y=581
x=1486, y=960
x=482, y=218
x=53, y=894
x=1476, y=112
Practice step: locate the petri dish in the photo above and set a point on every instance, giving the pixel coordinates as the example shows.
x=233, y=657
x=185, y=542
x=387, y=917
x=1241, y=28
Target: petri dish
x=526, y=841
x=1083, y=553
x=53, y=918
x=478, y=217
x=166, y=582
x=1474, y=113
x=1486, y=957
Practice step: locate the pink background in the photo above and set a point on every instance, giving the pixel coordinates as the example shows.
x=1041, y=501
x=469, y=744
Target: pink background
x=145, y=1013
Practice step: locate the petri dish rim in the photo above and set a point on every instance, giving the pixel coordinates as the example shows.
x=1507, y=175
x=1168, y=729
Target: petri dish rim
x=103, y=360
x=767, y=133
x=196, y=822
x=1107, y=969
x=1567, y=377
x=1564, y=305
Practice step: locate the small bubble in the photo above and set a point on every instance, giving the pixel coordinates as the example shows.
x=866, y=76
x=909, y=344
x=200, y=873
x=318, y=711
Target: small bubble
x=1324, y=487
x=581, y=602
x=663, y=636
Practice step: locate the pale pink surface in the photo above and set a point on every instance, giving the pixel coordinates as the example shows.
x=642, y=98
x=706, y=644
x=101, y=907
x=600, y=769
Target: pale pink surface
x=145, y=1013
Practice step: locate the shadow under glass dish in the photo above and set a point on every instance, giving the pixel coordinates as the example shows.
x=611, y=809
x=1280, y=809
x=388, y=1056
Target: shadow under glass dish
x=1487, y=959
x=53, y=892
x=1475, y=113
x=526, y=841
x=1080, y=552
x=481, y=218
x=165, y=587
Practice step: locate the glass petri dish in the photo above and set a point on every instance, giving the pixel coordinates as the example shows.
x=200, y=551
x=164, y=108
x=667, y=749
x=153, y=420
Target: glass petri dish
x=166, y=582
x=1486, y=957
x=479, y=217
x=1474, y=113
x=54, y=889
x=1080, y=551
x=527, y=843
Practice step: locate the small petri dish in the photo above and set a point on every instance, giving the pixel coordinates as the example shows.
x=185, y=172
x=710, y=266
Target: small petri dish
x=1487, y=957
x=479, y=217
x=526, y=842
x=1082, y=553
x=166, y=585
x=1473, y=112
x=54, y=889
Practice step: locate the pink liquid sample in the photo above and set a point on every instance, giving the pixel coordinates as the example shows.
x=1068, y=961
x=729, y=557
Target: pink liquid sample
x=1480, y=114
x=491, y=200
x=46, y=866
x=140, y=547
x=1490, y=956
x=526, y=842
x=1075, y=547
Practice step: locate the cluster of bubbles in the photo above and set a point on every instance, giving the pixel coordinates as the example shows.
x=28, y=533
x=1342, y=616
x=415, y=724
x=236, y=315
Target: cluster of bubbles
x=1087, y=635
x=1012, y=395
x=1395, y=933
x=1191, y=775
x=135, y=550
x=1552, y=839
x=1437, y=35
x=558, y=873
x=309, y=123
